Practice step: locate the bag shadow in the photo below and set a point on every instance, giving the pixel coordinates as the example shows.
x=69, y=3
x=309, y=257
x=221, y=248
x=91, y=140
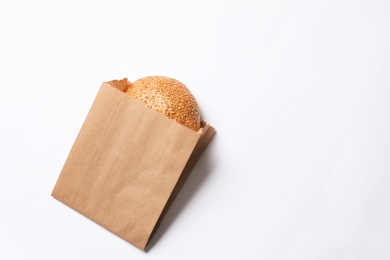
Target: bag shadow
x=195, y=173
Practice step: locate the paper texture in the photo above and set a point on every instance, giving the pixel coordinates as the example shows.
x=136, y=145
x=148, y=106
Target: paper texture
x=127, y=164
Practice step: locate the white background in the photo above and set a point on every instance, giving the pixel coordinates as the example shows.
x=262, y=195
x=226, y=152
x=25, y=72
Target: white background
x=297, y=90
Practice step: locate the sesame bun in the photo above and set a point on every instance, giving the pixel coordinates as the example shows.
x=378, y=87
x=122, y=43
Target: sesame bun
x=167, y=96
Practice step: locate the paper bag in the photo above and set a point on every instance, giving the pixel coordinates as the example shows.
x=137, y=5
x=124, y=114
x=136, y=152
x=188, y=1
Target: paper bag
x=127, y=165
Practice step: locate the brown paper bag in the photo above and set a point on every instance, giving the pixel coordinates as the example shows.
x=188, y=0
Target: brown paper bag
x=127, y=165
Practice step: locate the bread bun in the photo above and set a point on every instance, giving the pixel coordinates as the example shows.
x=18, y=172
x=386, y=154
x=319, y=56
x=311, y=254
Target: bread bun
x=167, y=96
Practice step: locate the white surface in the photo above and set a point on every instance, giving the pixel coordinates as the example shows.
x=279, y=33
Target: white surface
x=297, y=90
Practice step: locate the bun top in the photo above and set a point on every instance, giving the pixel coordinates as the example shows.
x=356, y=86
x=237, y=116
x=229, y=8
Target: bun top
x=167, y=96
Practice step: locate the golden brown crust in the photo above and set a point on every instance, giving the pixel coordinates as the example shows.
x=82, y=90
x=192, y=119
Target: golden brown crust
x=169, y=97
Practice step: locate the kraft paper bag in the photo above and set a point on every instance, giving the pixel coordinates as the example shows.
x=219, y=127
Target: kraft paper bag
x=127, y=165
